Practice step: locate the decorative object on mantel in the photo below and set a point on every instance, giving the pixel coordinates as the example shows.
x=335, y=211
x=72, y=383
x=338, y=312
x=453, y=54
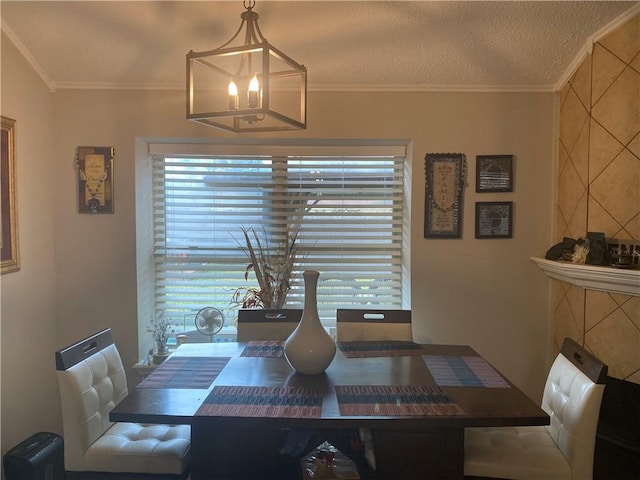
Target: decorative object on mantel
x=95, y=179
x=160, y=329
x=580, y=253
x=598, y=253
x=310, y=349
x=444, y=185
x=592, y=250
x=562, y=250
x=9, y=225
x=272, y=267
x=248, y=87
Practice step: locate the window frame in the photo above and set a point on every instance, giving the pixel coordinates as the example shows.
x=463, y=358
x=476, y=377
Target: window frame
x=147, y=148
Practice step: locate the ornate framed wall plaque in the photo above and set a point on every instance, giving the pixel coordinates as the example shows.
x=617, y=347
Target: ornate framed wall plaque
x=494, y=219
x=444, y=185
x=494, y=173
x=95, y=179
x=9, y=224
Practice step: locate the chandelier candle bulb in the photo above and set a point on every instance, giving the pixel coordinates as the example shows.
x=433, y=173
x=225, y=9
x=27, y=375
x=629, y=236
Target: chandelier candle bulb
x=233, y=95
x=254, y=90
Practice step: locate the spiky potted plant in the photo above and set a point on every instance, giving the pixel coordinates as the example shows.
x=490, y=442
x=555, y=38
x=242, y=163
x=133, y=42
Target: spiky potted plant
x=272, y=267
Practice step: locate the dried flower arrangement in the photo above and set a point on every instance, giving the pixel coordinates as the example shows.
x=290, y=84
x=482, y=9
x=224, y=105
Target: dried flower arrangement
x=272, y=268
x=161, y=329
x=580, y=253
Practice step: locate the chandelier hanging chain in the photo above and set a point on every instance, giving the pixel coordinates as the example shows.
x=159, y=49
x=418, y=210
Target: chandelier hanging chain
x=249, y=18
x=253, y=35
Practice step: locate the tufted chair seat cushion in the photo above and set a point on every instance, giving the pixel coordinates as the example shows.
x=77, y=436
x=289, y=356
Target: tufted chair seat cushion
x=526, y=453
x=89, y=389
x=137, y=448
x=562, y=450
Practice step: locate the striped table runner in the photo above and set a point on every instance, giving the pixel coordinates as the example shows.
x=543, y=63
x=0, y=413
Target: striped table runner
x=395, y=400
x=185, y=372
x=385, y=348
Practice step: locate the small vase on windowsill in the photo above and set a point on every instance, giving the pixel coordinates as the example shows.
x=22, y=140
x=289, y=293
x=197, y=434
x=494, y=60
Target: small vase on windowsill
x=161, y=353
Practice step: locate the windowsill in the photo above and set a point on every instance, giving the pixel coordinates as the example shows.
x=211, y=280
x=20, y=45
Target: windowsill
x=593, y=277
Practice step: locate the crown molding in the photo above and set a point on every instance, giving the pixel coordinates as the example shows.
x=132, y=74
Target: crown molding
x=333, y=88
x=24, y=51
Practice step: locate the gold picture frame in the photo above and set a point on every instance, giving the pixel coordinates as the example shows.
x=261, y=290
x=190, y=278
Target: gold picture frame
x=95, y=179
x=9, y=224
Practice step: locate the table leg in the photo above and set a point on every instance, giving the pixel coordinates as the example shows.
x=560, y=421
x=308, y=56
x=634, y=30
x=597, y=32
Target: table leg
x=436, y=454
x=231, y=454
x=222, y=452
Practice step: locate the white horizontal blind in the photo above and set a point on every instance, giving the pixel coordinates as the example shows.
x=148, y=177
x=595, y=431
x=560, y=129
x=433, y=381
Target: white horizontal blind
x=348, y=211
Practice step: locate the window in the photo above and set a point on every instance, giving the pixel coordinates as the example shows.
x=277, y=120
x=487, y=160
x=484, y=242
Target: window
x=346, y=202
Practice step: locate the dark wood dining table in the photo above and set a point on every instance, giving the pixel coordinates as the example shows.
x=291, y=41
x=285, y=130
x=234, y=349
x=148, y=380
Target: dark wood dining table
x=416, y=400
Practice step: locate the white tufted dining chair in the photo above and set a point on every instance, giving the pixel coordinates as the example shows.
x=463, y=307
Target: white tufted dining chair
x=92, y=381
x=562, y=450
x=360, y=325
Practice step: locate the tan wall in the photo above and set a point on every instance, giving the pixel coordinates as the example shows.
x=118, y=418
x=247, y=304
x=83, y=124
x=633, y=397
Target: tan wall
x=28, y=306
x=599, y=191
x=79, y=270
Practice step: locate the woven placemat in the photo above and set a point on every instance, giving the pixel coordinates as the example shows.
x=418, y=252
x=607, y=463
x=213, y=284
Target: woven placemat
x=267, y=348
x=257, y=401
x=466, y=371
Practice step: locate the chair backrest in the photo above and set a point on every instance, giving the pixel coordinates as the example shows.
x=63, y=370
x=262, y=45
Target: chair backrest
x=357, y=325
x=572, y=398
x=264, y=324
x=92, y=381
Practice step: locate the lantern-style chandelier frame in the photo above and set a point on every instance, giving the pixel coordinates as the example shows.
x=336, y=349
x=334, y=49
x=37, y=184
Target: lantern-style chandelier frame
x=250, y=87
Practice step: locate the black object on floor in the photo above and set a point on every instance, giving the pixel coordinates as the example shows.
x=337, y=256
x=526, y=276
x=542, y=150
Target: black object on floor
x=39, y=457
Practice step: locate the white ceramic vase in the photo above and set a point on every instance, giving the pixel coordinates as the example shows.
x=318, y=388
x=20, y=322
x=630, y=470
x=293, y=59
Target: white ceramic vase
x=310, y=349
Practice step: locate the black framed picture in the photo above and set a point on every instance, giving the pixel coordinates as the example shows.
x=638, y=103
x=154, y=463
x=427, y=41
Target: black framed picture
x=494, y=173
x=444, y=186
x=494, y=219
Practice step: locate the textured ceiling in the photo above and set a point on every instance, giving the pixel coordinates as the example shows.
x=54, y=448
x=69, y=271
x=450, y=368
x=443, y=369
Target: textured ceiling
x=357, y=45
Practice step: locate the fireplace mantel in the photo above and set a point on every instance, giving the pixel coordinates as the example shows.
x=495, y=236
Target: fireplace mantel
x=592, y=277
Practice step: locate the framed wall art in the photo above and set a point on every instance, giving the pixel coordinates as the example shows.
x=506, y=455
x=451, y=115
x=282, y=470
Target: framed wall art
x=444, y=185
x=95, y=179
x=494, y=173
x=9, y=224
x=494, y=219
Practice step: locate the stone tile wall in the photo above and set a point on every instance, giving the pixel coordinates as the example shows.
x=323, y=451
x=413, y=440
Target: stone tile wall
x=599, y=191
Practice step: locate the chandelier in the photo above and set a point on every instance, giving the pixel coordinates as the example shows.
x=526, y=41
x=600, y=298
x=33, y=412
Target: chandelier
x=246, y=87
